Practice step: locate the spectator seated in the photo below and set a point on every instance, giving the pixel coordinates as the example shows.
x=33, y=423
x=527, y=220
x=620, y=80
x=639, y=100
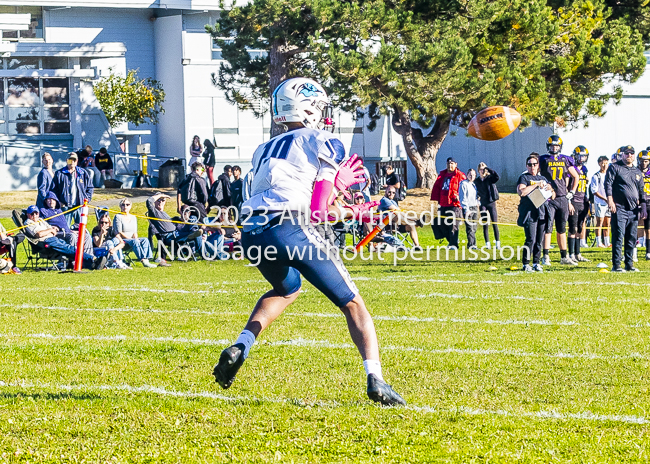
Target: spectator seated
x=53, y=214
x=8, y=246
x=161, y=227
x=105, y=239
x=399, y=224
x=44, y=237
x=125, y=226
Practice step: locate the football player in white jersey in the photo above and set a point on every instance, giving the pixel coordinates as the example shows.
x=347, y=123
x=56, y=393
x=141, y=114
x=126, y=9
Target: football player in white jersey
x=296, y=178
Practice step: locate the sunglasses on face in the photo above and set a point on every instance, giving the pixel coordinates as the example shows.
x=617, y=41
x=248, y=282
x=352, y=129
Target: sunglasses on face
x=104, y=222
x=532, y=164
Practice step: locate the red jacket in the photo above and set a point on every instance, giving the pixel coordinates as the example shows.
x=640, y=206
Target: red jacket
x=445, y=188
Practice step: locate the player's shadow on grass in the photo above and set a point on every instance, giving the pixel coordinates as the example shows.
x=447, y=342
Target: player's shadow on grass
x=52, y=396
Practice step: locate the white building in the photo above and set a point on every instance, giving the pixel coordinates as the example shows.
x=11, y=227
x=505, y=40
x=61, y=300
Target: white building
x=47, y=102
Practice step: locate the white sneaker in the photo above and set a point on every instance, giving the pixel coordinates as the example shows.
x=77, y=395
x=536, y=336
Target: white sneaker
x=581, y=259
x=568, y=262
x=497, y=245
x=573, y=258
x=527, y=268
x=546, y=261
x=538, y=268
x=146, y=263
x=583, y=244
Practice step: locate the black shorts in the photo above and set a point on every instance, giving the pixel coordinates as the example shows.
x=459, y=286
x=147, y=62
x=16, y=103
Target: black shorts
x=577, y=219
x=646, y=223
x=557, y=210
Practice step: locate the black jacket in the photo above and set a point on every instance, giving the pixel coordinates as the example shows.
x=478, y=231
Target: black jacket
x=193, y=188
x=625, y=185
x=486, y=188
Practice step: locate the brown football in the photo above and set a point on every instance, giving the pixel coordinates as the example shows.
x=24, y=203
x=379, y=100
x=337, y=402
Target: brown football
x=494, y=123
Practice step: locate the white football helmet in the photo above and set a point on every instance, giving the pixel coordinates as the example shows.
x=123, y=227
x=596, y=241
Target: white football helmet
x=302, y=100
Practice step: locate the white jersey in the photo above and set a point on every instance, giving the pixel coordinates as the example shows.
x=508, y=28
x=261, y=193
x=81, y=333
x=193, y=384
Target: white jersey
x=286, y=167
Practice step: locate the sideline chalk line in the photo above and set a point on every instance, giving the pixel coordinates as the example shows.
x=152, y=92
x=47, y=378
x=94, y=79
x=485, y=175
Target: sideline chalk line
x=311, y=314
x=307, y=343
x=581, y=416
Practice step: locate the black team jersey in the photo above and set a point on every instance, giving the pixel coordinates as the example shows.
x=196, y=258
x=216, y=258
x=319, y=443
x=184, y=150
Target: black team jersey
x=555, y=168
x=581, y=191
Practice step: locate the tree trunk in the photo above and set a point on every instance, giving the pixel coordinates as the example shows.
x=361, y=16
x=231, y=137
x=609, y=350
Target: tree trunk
x=279, y=55
x=422, y=151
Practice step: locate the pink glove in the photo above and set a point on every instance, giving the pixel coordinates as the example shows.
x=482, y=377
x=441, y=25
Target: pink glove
x=358, y=210
x=319, y=200
x=350, y=173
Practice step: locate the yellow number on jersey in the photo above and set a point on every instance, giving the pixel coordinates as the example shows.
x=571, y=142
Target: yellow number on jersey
x=557, y=172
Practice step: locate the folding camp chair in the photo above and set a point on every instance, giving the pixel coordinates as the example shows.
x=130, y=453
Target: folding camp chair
x=177, y=242
x=37, y=251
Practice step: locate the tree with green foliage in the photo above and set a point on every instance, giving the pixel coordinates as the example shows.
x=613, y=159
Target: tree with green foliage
x=129, y=99
x=435, y=62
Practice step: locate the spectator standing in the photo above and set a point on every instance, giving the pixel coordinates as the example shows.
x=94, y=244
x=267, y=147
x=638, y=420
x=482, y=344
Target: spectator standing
x=125, y=226
x=468, y=197
x=104, y=164
x=196, y=151
x=624, y=189
x=209, y=160
x=72, y=186
x=601, y=208
x=531, y=217
x=247, y=187
x=83, y=153
x=44, y=179
x=88, y=164
x=220, y=191
x=395, y=180
x=486, y=186
x=193, y=191
x=445, y=192
x=236, y=189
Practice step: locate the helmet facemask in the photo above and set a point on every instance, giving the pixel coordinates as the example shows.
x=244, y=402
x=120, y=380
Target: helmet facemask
x=554, y=148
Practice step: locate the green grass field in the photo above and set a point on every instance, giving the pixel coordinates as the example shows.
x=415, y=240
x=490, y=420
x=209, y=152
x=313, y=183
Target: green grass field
x=496, y=366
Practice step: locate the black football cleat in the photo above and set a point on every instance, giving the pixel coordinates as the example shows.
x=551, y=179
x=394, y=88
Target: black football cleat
x=230, y=361
x=380, y=392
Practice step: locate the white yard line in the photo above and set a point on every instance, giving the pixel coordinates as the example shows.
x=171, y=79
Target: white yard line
x=311, y=314
x=160, y=391
x=120, y=290
x=307, y=343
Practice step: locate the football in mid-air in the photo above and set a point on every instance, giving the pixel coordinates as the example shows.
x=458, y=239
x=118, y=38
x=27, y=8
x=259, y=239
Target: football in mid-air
x=494, y=123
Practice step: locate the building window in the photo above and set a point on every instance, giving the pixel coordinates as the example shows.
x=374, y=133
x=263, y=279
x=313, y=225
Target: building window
x=32, y=106
x=28, y=62
x=35, y=30
x=216, y=50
